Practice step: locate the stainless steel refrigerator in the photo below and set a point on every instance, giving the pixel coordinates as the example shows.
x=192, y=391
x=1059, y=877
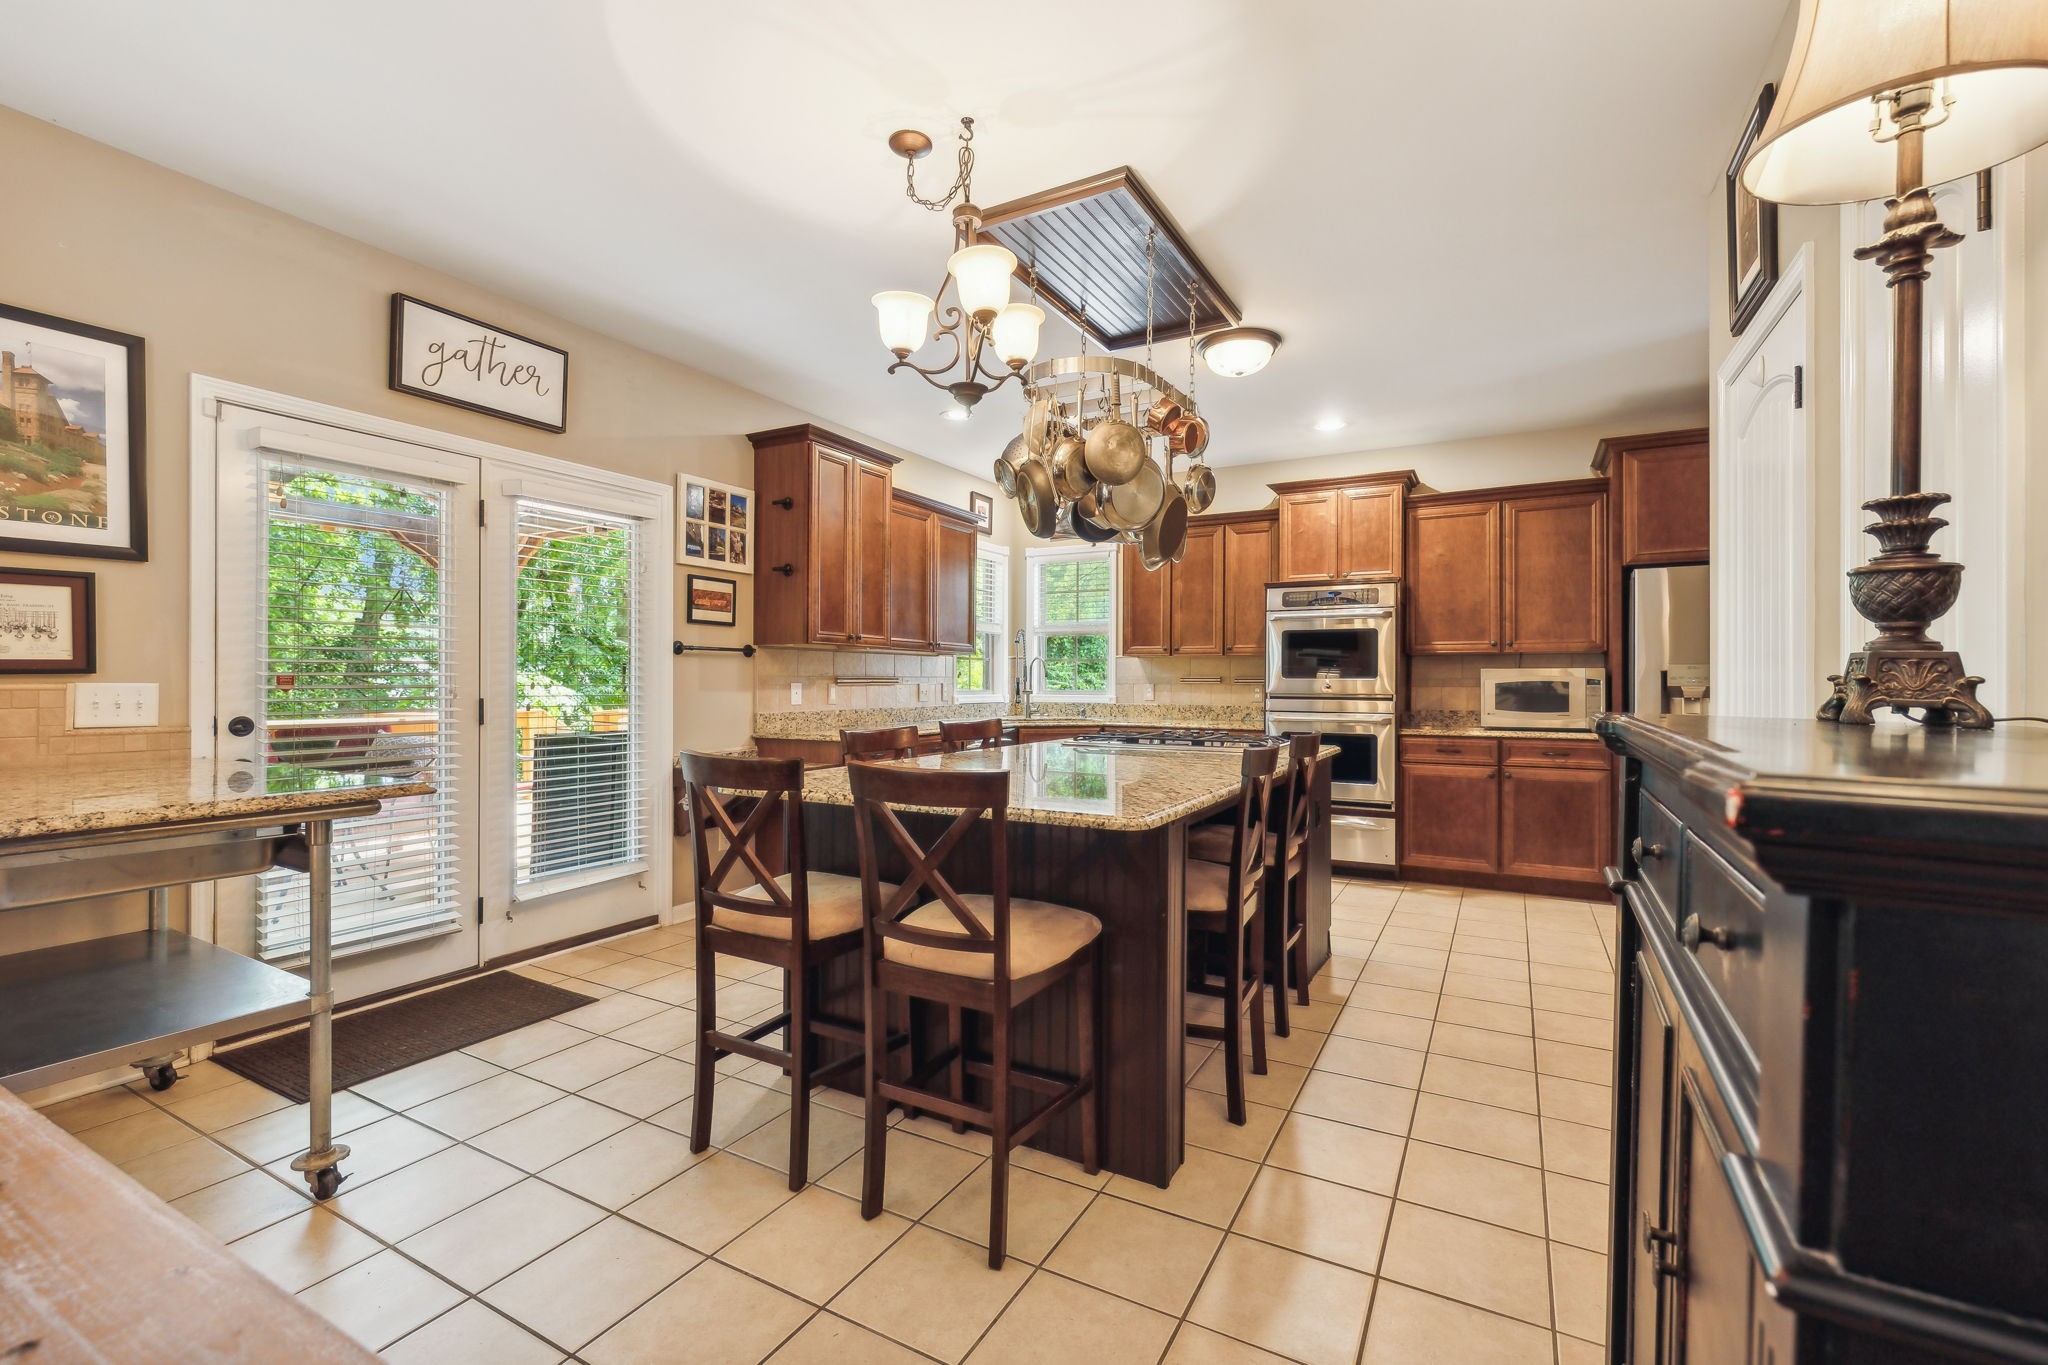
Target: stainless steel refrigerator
x=1670, y=611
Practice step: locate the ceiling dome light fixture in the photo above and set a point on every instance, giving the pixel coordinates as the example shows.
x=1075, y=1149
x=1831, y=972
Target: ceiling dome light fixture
x=1236, y=352
x=1329, y=424
x=982, y=318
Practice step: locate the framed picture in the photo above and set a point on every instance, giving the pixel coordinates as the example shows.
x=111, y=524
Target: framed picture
x=46, y=622
x=470, y=364
x=711, y=601
x=71, y=427
x=716, y=525
x=984, y=508
x=1752, y=228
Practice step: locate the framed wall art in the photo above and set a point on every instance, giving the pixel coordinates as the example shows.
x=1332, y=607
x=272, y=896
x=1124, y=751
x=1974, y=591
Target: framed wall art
x=1752, y=228
x=714, y=524
x=711, y=601
x=983, y=507
x=46, y=622
x=71, y=439
x=454, y=359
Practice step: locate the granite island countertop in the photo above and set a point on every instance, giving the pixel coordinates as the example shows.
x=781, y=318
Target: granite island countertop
x=825, y=725
x=91, y=793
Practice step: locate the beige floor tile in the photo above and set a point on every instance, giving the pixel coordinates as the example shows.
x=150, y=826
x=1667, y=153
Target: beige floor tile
x=125, y=1139
x=1439, y=939
x=1484, y=1014
x=1473, y=926
x=223, y=1106
x=535, y=1141
x=1576, y=1101
x=631, y=1162
x=1299, y=1048
x=470, y=1334
x=835, y=1136
x=427, y=1080
x=1383, y=972
x=1306, y=1309
x=1505, y=1087
x=814, y=1245
x=529, y=1044
x=1411, y=955
x=634, y=971
x=1574, y=1028
x=285, y=1132
x=485, y=1105
x=489, y=1240
x=1590, y=1004
x=1058, y=1319
x=1577, y=1149
x=1138, y=1253
x=612, y=1012
x=1483, y=1045
x=1503, y=1133
x=1578, y=1211
x=1349, y=1155
x=713, y=1202
x=737, y=1109
x=98, y=1107
x=1469, y=986
x=1041, y=1211
x=425, y=1192
x=1579, y=1284
x=917, y=1173
x=1482, y=1187
x=1377, y=1026
x=726, y=1319
x=241, y=1204
x=614, y=1268
x=586, y=1063
x=1277, y=1087
x=1059, y=1167
x=1470, y=1261
x=1372, y=1061
x=1317, y=1218
x=932, y=1292
x=1479, y=946
x=645, y=1090
x=1341, y=968
x=679, y=988
x=670, y=1030
x=1208, y=1187
x=1410, y=1327
x=1207, y=1119
x=1596, y=979
x=183, y=1167
x=829, y=1340
x=380, y=1299
x=304, y=1249
x=1479, y=964
x=1572, y=1351
x=1394, y=1000
x=1194, y=1345
x=739, y=1000
x=1574, y=1062
x=376, y=1150
x=577, y=961
x=1347, y=1099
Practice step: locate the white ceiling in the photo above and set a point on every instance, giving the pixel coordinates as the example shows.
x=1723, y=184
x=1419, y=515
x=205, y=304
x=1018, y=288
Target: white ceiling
x=1467, y=217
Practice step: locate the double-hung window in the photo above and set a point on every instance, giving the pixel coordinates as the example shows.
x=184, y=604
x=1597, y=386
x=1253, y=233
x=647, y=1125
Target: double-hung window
x=981, y=676
x=1072, y=609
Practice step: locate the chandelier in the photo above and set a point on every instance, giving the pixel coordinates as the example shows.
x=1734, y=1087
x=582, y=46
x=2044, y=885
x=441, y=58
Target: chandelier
x=981, y=318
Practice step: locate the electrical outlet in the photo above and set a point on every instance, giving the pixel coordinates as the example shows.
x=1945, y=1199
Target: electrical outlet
x=831, y=696
x=1144, y=691
x=796, y=694
x=109, y=706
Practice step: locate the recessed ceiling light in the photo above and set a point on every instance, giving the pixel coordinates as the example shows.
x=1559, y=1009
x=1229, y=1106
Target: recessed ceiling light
x=1331, y=424
x=955, y=413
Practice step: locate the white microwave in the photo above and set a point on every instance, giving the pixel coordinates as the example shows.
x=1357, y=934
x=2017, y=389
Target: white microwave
x=1541, y=698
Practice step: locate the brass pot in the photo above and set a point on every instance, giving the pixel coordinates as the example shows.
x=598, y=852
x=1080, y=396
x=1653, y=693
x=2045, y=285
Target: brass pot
x=1071, y=473
x=1200, y=487
x=1161, y=416
x=1036, y=501
x=1130, y=505
x=1116, y=450
x=1189, y=436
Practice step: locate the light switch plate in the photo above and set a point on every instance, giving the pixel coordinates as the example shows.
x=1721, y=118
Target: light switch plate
x=796, y=694
x=831, y=696
x=110, y=706
x=1144, y=692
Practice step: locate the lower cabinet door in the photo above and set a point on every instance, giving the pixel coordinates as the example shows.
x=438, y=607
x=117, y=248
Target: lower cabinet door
x=1556, y=822
x=1714, y=1269
x=1650, y=1237
x=1450, y=816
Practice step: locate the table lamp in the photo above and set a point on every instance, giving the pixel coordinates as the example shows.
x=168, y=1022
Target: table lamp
x=1884, y=98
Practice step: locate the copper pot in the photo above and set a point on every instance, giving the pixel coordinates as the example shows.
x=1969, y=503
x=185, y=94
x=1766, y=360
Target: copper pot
x=1161, y=416
x=1189, y=436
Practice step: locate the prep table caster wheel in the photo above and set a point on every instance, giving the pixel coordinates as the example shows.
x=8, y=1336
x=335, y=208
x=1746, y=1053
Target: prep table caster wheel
x=162, y=1077
x=326, y=1182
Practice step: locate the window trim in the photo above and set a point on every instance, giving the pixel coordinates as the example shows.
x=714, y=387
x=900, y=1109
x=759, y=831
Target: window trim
x=999, y=659
x=1035, y=633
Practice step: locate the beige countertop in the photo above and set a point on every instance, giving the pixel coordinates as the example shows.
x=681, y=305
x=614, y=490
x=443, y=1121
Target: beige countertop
x=99, y=792
x=1481, y=732
x=825, y=725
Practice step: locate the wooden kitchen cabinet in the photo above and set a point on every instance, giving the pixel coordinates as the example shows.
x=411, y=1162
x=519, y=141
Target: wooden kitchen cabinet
x=910, y=576
x=1213, y=602
x=1145, y=623
x=1555, y=822
x=1453, y=578
x=1341, y=528
x=1509, y=570
x=1198, y=593
x=1248, y=549
x=1660, y=489
x=1539, y=811
x=1450, y=815
x=953, y=551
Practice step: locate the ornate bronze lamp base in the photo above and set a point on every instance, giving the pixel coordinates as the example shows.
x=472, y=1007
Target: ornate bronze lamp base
x=1901, y=592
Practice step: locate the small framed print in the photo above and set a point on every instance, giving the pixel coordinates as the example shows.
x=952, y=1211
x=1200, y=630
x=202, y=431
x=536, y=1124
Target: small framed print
x=712, y=601
x=716, y=525
x=1752, y=228
x=46, y=622
x=983, y=507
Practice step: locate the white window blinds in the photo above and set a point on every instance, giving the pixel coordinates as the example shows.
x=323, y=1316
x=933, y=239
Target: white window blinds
x=980, y=674
x=580, y=788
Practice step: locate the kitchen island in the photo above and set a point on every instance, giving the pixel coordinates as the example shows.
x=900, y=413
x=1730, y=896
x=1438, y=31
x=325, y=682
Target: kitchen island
x=1105, y=833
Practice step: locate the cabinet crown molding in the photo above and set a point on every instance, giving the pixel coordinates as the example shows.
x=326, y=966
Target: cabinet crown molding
x=806, y=431
x=1610, y=446
x=1404, y=477
x=1507, y=492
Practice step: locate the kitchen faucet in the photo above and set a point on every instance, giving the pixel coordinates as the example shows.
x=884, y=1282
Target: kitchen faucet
x=1022, y=687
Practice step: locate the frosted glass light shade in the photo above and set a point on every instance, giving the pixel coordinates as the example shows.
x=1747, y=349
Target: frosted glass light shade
x=1015, y=333
x=982, y=275
x=1238, y=351
x=904, y=318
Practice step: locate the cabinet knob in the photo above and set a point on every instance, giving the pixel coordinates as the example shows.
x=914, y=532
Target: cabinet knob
x=786, y=570
x=1657, y=1241
x=1643, y=852
x=1692, y=934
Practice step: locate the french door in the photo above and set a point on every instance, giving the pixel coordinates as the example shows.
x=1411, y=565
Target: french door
x=387, y=606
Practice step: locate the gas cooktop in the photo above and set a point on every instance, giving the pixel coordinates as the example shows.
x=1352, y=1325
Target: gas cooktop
x=1171, y=739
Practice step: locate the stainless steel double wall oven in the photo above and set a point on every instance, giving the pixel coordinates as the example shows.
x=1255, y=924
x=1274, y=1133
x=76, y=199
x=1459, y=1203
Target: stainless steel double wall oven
x=1333, y=660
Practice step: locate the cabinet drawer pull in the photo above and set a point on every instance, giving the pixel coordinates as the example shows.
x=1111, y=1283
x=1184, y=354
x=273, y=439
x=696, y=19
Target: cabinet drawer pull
x=1643, y=852
x=1656, y=1241
x=1555, y=753
x=1449, y=749
x=1692, y=934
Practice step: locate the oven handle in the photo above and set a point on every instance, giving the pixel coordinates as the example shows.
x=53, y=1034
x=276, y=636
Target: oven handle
x=1348, y=614
x=1329, y=724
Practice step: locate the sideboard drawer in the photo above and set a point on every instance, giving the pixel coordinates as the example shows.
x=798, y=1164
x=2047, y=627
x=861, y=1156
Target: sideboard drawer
x=1723, y=926
x=1448, y=749
x=1655, y=854
x=1554, y=753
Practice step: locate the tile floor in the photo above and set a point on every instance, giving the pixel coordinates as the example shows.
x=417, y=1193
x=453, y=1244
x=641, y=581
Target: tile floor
x=1423, y=1179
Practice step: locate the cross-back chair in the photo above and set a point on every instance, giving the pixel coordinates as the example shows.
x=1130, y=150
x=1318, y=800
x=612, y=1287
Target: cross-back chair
x=1226, y=902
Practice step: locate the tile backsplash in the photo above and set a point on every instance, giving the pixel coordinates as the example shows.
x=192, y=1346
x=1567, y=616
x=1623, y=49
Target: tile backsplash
x=1237, y=680
x=862, y=679
x=35, y=722
x=1450, y=682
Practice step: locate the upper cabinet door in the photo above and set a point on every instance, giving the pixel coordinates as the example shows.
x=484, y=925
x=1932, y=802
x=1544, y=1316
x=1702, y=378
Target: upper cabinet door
x=910, y=576
x=1454, y=588
x=1664, y=500
x=1368, y=531
x=1198, y=593
x=1145, y=625
x=952, y=585
x=872, y=485
x=833, y=540
x=1309, y=536
x=1554, y=553
x=1247, y=565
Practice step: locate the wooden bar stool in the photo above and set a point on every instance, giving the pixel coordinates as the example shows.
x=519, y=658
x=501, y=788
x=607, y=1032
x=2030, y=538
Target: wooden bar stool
x=1227, y=900
x=971, y=734
x=1286, y=865
x=797, y=921
x=987, y=953
x=883, y=742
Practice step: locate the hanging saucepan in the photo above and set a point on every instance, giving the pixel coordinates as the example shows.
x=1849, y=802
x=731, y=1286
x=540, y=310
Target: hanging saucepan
x=1189, y=436
x=1165, y=536
x=1161, y=416
x=1115, y=450
x=1200, y=487
x=1036, y=501
x=1086, y=516
x=1072, y=475
x=1130, y=505
x=1006, y=466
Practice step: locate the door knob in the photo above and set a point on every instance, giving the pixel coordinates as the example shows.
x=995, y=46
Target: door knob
x=241, y=727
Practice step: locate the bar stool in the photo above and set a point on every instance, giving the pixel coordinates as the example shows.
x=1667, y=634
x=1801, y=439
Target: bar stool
x=1287, y=862
x=797, y=921
x=1227, y=900
x=987, y=953
x=971, y=734
x=882, y=742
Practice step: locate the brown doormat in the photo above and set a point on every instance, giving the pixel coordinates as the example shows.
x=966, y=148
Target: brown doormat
x=386, y=1038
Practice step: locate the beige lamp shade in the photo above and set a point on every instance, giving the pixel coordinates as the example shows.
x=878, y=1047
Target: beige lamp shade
x=1990, y=57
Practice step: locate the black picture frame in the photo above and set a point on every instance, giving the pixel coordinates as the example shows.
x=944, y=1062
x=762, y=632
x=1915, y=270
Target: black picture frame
x=135, y=544
x=83, y=621
x=709, y=616
x=1748, y=287
x=984, y=509
x=396, y=372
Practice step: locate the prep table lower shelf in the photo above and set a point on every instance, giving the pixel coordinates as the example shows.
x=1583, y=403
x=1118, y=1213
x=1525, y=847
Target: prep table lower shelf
x=82, y=1008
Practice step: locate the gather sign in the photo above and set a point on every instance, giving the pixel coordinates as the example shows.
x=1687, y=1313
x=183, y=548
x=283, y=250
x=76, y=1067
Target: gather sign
x=452, y=358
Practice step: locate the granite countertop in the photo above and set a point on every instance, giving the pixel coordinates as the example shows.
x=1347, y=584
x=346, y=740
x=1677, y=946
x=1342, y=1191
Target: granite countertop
x=826, y=724
x=1482, y=732
x=95, y=792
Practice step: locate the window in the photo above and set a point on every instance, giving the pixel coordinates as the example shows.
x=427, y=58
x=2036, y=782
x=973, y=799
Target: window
x=1072, y=621
x=979, y=676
